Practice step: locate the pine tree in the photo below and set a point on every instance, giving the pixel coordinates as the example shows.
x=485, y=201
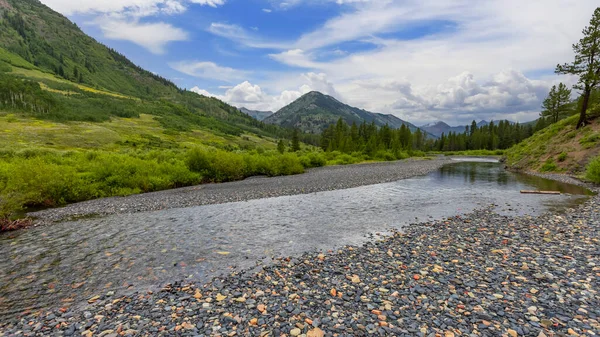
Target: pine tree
x=281, y=146
x=586, y=64
x=556, y=105
x=295, y=141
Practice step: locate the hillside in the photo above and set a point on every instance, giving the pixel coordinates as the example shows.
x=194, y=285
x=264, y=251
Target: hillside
x=559, y=147
x=314, y=111
x=256, y=114
x=83, y=80
x=53, y=44
x=440, y=127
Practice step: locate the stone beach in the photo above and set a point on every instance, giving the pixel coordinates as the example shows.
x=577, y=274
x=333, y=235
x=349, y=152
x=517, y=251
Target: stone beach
x=314, y=180
x=480, y=274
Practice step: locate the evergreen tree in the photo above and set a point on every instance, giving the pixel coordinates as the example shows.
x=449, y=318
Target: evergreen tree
x=281, y=146
x=586, y=65
x=556, y=105
x=295, y=141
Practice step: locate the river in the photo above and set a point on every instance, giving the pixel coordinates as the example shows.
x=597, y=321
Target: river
x=66, y=263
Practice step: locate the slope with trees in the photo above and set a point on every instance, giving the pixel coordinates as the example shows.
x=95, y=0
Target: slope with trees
x=569, y=144
x=314, y=112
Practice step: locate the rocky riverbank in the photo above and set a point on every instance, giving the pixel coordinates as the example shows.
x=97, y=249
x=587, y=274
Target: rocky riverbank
x=481, y=274
x=315, y=180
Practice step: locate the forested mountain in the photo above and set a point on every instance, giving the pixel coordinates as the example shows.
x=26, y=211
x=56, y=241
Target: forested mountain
x=256, y=114
x=79, y=79
x=54, y=44
x=439, y=128
x=314, y=112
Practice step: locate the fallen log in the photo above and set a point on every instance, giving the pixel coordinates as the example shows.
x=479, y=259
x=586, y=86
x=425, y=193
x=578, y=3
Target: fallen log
x=540, y=192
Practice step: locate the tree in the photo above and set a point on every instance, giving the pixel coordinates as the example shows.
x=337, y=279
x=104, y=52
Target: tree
x=556, y=104
x=295, y=141
x=586, y=64
x=281, y=146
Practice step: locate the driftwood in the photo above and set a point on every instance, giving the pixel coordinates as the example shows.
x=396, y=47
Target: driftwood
x=540, y=192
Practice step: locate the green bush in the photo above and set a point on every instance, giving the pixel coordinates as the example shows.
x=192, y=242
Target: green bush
x=592, y=172
x=4, y=67
x=549, y=166
x=590, y=140
x=385, y=155
x=562, y=157
x=313, y=159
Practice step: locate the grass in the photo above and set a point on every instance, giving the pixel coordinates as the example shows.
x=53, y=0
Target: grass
x=38, y=177
x=15, y=60
x=20, y=132
x=592, y=172
x=559, y=147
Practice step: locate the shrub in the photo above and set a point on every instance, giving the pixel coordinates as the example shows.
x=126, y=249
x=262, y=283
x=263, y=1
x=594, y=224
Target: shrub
x=313, y=159
x=562, y=157
x=592, y=172
x=549, y=166
x=385, y=155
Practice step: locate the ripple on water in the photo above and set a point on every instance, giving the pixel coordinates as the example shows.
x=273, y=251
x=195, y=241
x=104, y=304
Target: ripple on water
x=67, y=263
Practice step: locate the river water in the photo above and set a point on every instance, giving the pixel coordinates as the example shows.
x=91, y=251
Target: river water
x=67, y=263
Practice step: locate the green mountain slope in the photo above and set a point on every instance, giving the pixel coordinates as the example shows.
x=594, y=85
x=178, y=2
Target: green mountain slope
x=314, y=112
x=83, y=80
x=52, y=43
x=559, y=147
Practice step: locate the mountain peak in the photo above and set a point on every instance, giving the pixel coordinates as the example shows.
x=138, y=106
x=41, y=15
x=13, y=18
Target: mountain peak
x=315, y=111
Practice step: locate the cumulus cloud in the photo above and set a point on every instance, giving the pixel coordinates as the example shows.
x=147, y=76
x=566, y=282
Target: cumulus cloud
x=475, y=68
x=253, y=97
x=209, y=70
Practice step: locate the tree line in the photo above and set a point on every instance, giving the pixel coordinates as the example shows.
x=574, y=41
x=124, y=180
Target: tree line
x=369, y=139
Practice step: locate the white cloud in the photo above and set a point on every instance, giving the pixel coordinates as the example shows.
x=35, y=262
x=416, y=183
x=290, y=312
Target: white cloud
x=239, y=34
x=152, y=7
x=120, y=19
x=252, y=96
x=203, y=92
x=209, y=70
x=152, y=36
x=266, y=10
x=492, y=43
x=211, y=3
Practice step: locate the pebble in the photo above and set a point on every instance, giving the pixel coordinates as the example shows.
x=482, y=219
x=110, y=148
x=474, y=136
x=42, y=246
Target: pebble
x=386, y=287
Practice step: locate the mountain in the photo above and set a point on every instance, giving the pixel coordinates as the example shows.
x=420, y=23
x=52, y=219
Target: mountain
x=437, y=128
x=75, y=78
x=314, y=112
x=53, y=44
x=256, y=114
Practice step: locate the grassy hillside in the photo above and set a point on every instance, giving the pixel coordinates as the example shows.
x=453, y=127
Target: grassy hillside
x=558, y=148
x=52, y=43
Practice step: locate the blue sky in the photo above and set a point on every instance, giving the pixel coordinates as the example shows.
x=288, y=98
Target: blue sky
x=422, y=60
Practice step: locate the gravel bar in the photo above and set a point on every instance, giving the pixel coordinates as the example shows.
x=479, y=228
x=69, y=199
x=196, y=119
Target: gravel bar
x=480, y=274
x=314, y=180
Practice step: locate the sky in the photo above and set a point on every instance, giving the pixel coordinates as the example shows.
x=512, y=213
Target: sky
x=421, y=60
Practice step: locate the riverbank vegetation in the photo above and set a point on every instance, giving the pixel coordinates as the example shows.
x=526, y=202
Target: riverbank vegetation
x=46, y=178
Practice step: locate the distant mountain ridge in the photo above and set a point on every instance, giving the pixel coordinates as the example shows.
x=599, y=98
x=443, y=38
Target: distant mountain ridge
x=256, y=114
x=314, y=112
x=439, y=127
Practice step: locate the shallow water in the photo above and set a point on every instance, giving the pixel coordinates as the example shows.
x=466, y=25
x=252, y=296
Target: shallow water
x=67, y=263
